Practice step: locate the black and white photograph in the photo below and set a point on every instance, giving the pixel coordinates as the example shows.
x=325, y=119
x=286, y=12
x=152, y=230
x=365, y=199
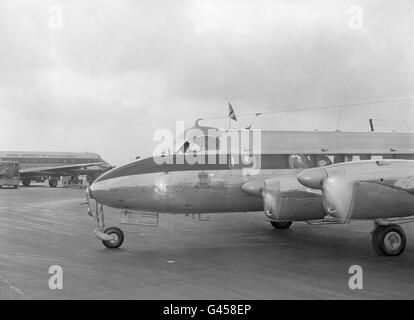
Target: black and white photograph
x=206, y=150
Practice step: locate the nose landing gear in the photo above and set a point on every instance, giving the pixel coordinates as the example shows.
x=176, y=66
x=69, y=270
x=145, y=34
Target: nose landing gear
x=117, y=238
x=112, y=237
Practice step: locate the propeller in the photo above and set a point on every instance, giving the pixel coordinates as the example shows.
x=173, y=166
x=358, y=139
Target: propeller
x=337, y=192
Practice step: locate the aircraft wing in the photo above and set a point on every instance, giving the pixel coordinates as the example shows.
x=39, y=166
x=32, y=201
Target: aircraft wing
x=364, y=189
x=288, y=185
x=57, y=170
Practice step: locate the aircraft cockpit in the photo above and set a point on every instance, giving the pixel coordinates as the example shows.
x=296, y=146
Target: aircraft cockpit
x=200, y=144
x=199, y=140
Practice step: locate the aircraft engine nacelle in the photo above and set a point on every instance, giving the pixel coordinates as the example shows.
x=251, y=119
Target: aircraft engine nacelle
x=370, y=190
x=286, y=200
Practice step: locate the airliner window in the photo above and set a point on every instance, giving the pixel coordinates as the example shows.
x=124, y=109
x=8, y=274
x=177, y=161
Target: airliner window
x=339, y=158
x=300, y=161
x=213, y=143
x=195, y=147
x=322, y=161
x=183, y=148
x=238, y=161
x=199, y=144
x=207, y=143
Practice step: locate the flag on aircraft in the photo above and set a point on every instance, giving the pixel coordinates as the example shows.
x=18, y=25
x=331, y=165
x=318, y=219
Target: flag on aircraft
x=232, y=114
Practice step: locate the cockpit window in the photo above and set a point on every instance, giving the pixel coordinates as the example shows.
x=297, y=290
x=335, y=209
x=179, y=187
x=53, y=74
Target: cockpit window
x=200, y=144
x=207, y=143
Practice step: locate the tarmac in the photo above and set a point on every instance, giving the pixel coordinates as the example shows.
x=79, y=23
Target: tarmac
x=233, y=256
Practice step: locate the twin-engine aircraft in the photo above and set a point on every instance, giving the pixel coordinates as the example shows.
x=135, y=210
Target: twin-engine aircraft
x=316, y=177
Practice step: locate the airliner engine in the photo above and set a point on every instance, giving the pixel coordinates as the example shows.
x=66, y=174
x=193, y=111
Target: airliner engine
x=369, y=190
x=284, y=199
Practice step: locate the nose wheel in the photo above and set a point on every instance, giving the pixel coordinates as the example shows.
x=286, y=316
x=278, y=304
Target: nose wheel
x=117, y=238
x=389, y=240
x=112, y=237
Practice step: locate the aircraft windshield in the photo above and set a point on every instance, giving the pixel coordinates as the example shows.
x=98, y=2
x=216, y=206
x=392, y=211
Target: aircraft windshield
x=200, y=144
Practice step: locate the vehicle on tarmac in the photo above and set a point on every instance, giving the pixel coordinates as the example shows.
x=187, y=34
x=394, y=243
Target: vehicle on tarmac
x=9, y=174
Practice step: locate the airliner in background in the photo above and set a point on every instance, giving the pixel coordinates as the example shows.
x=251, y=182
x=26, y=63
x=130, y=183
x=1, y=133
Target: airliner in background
x=41, y=166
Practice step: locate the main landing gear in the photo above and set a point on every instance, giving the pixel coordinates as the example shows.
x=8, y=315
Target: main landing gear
x=388, y=240
x=53, y=183
x=388, y=237
x=281, y=224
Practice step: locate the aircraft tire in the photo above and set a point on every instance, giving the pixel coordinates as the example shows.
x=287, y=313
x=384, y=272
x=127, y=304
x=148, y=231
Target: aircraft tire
x=53, y=183
x=281, y=224
x=119, y=238
x=389, y=240
x=26, y=182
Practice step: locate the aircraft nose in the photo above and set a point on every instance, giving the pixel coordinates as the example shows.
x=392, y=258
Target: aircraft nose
x=312, y=178
x=100, y=192
x=89, y=194
x=92, y=188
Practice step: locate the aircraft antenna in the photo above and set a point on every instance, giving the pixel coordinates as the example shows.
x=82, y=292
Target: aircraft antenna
x=251, y=123
x=197, y=121
x=371, y=123
x=339, y=118
x=320, y=107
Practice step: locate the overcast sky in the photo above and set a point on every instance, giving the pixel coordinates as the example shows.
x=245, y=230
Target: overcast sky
x=101, y=76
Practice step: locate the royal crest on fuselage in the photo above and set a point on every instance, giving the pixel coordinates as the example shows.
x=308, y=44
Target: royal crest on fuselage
x=204, y=180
